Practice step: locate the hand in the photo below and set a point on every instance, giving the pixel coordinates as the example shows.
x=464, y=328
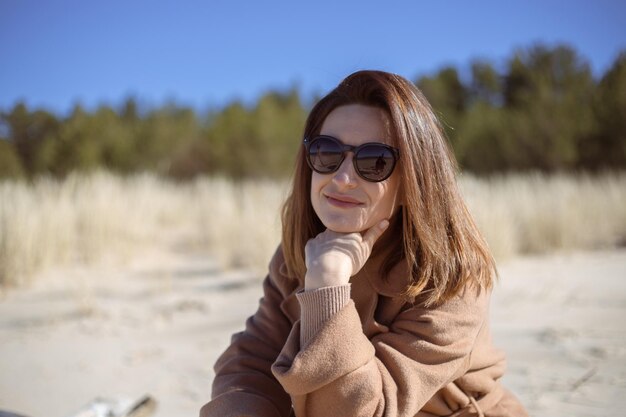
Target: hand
x=332, y=257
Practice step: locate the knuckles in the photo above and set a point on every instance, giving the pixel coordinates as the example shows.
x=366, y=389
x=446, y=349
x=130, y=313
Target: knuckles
x=331, y=250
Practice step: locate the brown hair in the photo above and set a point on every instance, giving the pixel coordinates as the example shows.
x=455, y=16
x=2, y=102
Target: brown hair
x=440, y=241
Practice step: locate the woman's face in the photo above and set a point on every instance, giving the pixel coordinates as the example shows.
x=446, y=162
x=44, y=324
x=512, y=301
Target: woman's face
x=342, y=200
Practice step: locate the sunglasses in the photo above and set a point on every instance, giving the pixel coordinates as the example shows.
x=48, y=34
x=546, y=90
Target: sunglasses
x=373, y=161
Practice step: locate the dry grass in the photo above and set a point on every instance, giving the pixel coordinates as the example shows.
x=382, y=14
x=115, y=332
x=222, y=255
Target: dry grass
x=85, y=217
x=535, y=213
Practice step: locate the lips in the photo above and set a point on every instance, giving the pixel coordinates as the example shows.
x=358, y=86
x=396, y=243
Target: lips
x=342, y=200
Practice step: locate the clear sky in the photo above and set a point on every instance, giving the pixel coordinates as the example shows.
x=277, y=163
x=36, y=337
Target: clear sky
x=55, y=53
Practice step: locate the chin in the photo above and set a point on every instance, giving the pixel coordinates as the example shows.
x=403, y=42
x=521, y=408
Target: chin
x=339, y=226
x=342, y=229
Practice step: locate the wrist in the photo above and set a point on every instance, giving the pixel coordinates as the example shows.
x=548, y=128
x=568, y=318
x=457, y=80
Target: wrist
x=314, y=280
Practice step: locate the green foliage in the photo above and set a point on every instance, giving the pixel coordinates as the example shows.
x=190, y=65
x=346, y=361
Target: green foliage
x=10, y=164
x=162, y=135
x=485, y=144
x=279, y=122
x=27, y=131
x=538, y=115
x=542, y=111
x=551, y=106
x=447, y=95
x=606, y=146
x=486, y=85
x=248, y=142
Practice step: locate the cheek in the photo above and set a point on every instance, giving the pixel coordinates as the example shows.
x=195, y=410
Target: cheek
x=385, y=199
x=316, y=185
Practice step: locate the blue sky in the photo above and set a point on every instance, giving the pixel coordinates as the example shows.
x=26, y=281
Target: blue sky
x=55, y=53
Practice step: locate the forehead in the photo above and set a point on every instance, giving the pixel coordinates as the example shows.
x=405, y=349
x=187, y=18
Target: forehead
x=356, y=123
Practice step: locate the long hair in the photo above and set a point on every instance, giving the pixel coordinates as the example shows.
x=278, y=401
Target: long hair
x=440, y=243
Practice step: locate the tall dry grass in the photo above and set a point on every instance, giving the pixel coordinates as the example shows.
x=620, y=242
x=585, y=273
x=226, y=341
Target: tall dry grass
x=83, y=218
x=535, y=213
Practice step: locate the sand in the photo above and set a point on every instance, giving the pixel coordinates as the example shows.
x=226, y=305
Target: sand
x=156, y=324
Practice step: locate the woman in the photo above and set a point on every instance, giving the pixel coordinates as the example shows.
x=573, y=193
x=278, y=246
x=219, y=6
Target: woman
x=376, y=303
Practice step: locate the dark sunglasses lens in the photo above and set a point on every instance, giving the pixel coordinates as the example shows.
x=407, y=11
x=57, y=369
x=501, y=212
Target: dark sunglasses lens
x=325, y=155
x=375, y=162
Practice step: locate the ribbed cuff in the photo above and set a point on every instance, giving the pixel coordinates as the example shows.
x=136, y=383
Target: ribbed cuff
x=318, y=306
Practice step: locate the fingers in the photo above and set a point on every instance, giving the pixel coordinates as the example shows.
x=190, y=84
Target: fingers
x=374, y=232
x=333, y=254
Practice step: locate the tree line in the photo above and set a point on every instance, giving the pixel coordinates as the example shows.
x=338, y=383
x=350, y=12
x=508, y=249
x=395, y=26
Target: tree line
x=543, y=111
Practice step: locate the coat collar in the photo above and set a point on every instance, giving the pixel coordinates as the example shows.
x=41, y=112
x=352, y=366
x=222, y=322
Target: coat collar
x=394, y=285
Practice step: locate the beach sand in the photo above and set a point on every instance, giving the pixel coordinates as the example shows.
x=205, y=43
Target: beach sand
x=156, y=325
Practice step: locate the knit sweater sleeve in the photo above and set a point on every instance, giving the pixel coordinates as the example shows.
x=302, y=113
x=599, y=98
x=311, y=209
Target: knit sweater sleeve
x=340, y=371
x=318, y=306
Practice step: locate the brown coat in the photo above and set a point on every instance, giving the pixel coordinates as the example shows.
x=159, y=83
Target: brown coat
x=377, y=355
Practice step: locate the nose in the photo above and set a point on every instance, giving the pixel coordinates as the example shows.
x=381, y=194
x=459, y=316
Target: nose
x=345, y=176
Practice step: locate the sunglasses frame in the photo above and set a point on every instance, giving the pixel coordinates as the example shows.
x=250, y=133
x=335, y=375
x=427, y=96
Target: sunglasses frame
x=355, y=150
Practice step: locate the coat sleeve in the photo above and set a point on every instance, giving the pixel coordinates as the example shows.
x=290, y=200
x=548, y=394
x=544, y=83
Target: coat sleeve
x=342, y=372
x=244, y=384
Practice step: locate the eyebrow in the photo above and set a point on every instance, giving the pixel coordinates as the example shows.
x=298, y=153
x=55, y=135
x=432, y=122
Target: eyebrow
x=373, y=140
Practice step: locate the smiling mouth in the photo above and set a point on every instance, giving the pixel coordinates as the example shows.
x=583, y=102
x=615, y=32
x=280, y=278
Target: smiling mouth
x=343, y=202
